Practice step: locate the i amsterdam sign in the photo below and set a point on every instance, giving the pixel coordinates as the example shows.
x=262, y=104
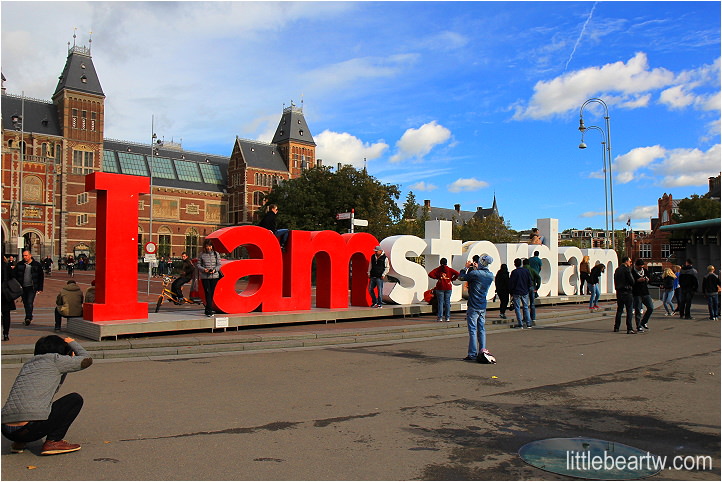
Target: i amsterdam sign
x=281, y=281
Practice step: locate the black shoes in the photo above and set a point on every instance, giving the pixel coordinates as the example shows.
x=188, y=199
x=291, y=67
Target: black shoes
x=27, y=321
x=631, y=332
x=616, y=330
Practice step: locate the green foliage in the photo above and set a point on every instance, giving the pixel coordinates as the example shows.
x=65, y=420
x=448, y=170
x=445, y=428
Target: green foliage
x=311, y=201
x=696, y=208
x=410, y=207
x=491, y=228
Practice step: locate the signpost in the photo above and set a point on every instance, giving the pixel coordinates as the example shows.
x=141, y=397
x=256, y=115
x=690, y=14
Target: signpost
x=150, y=249
x=354, y=222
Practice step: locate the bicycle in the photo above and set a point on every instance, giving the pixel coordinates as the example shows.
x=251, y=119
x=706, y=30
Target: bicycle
x=167, y=294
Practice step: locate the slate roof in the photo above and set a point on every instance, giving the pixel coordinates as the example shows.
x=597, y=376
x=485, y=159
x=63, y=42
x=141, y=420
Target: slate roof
x=261, y=155
x=457, y=216
x=293, y=127
x=41, y=117
x=79, y=73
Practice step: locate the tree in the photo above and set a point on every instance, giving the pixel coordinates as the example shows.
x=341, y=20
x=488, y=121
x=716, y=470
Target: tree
x=311, y=201
x=696, y=208
x=491, y=228
x=410, y=207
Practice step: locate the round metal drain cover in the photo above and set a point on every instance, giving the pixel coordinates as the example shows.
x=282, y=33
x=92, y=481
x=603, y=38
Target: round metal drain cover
x=589, y=458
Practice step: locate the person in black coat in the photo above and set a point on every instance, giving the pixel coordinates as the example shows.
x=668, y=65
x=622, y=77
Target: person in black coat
x=8, y=304
x=186, y=274
x=501, y=282
x=31, y=277
x=269, y=222
x=623, y=284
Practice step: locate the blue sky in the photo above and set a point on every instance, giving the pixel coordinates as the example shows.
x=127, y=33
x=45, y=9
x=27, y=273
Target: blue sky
x=457, y=101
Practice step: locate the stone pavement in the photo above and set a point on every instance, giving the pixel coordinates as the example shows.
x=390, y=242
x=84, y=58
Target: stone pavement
x=393, y=409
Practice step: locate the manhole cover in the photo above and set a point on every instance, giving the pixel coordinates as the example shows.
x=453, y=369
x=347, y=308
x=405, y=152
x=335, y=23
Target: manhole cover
x=589, y=458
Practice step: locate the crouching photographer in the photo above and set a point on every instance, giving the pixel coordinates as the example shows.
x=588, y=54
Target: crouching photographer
x=29, y=413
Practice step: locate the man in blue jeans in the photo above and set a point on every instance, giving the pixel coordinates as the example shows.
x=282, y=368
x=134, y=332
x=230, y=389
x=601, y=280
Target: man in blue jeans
x=479, y=278
x=378, y=269
x=519, y=285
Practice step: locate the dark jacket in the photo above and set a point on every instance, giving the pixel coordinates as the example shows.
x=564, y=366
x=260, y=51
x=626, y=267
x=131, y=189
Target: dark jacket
x=687, y=278
x=445, y=275
x=520, y=282
x=640, y=288
x=269, y=221
x=378, y=266
x=7, y=303
x=668, y=283
x=187, y=268
x=623, y=281
x=710, y=284
x=37, y=274
x=501, y=282
x=595, y=274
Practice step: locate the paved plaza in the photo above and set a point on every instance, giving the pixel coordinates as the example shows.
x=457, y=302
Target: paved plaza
x=393, y=411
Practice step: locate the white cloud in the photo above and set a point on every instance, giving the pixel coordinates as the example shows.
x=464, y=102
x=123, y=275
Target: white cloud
x=676, y=98
x=591, y=214
x=416, y=143
x=334, y=147
x=569, y=91
x=626, y=166
x=352, y=71
x=469, y=184
x=423, y=186
x=639, y=214
x=678, y=167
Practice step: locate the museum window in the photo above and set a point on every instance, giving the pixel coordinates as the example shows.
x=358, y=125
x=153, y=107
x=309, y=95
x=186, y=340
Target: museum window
x=645, y=251
x=191, y=245
x=164, y=245
x=666, y=251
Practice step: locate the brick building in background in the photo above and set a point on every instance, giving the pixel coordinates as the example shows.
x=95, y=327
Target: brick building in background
x=49, y=146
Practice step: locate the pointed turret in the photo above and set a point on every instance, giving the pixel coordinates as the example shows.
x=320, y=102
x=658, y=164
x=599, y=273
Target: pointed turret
x=79, y=73
x=293, y=127
x=294, y=141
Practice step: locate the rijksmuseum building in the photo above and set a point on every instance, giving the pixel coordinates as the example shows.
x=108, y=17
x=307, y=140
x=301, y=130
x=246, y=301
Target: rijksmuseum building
x=48, y=147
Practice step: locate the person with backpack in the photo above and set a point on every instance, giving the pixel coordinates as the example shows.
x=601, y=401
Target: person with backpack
x=445, y=276
x=209, y=265
x=711, y=291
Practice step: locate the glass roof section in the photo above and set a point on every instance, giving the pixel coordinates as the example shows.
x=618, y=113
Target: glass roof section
x=110, y=164
x=187, y=171
x=211, y=173
x=162, y=167
x=133, y=164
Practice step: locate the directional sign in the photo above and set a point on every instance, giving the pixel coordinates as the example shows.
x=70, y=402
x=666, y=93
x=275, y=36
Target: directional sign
x=361, y=222
x=343, y=216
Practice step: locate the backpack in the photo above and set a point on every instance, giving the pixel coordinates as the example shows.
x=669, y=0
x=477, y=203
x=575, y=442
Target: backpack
x=486, y=358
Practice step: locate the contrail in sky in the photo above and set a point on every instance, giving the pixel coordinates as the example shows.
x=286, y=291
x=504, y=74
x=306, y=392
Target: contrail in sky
x=581, y=34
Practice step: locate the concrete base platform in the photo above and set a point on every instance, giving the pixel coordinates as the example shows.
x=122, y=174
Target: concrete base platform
x=185, y=320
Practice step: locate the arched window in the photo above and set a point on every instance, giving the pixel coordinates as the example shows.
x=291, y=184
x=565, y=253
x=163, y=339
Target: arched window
x=191, y=243
x=164, y=241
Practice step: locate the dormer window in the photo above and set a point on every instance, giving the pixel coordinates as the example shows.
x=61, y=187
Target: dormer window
x=300, y=132
x=84, y=79
x=82, y=65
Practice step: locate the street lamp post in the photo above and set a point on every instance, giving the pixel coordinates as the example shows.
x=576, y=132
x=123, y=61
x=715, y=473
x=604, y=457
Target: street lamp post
x=154, y=141
x=18, y=121
x=606, y=135
x=582, y=145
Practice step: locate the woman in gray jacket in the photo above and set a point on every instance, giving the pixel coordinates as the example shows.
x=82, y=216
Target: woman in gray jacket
x=209, y=265
x=29, y=413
